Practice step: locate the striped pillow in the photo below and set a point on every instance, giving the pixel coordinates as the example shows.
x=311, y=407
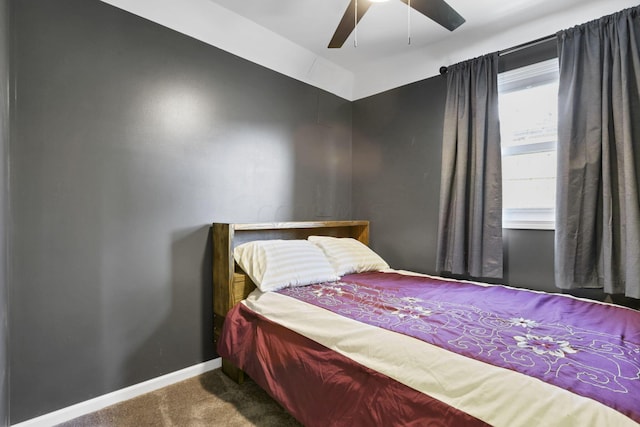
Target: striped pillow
x=277, y=264
x=349, y=255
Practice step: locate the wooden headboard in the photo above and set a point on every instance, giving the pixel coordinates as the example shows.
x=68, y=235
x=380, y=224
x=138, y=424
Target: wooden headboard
x=231, y=284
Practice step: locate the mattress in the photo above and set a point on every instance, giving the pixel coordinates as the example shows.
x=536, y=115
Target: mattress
x=397, y=348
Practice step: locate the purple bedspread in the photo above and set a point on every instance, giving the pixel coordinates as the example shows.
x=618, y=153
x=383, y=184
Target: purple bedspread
x=588, y=348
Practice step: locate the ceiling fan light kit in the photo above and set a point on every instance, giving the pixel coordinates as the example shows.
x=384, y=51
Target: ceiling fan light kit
x=437, y=10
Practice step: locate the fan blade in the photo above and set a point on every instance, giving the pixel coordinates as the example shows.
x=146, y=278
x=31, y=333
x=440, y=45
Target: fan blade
x=439, y=11
x=347, y=24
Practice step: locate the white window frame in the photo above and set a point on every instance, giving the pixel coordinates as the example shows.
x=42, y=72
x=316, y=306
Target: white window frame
x=520, y=78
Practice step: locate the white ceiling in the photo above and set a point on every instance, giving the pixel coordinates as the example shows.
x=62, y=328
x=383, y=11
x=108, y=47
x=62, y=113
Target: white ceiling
x=290, y=36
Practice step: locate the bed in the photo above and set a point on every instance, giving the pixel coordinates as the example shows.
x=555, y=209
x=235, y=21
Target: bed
x=384, y=347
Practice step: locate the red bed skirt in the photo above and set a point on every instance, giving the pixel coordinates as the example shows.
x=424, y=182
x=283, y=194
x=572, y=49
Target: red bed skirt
x=321, y=387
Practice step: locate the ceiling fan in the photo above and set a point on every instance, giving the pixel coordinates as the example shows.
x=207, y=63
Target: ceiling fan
x=437, y=10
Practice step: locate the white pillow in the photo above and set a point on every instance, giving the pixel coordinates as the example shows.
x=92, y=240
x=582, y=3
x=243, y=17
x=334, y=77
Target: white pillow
x=277, y=264
x=349, y=255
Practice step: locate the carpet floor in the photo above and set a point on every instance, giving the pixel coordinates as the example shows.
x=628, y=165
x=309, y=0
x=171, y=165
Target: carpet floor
x=210, y=399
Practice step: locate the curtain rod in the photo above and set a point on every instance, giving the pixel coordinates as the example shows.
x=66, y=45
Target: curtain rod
x=443, y=69
x=526, y=45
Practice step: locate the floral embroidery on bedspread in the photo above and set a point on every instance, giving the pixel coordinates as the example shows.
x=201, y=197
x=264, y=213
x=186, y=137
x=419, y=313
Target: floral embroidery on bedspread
x=562, y=341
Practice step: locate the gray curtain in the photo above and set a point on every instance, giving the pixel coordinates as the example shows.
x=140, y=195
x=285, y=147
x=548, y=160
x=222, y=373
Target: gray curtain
x=470, y=220
x=597, y=211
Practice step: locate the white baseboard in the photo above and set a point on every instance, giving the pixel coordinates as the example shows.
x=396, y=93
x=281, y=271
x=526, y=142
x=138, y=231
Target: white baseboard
x=100, y=402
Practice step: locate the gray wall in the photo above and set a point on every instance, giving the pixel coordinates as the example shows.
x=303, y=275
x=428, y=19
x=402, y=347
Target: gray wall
x=397, y=137
x=129, y=140
x=396, y=184
x=4, y=143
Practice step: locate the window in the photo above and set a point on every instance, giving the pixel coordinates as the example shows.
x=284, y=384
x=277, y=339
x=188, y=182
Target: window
x=528, y=99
